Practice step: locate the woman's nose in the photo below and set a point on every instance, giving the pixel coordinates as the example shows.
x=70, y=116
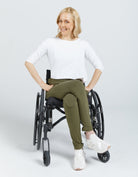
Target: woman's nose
x=62, y=24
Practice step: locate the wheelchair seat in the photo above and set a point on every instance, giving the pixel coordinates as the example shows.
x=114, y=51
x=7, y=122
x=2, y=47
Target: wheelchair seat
x=54, y=102
x=57, y=102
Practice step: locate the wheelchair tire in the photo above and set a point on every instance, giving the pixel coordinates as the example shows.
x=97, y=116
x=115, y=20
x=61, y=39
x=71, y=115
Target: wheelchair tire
x=41, y=118
x=46, y=157
x=98, y=118
x=35, y=135
x=104, y=157
x=46, y=151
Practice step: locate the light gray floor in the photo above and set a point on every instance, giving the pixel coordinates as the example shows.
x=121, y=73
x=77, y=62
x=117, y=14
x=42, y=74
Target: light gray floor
x=19, y=158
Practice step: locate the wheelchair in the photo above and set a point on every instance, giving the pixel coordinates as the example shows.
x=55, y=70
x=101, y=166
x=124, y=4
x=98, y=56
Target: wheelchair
x=44, y=120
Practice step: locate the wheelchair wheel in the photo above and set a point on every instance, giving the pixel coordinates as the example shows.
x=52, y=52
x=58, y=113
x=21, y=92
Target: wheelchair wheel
x=97, y=118
x=46, y=157
x=104, y=157
x=36, y=122
x=41, y=118
x=46, y=151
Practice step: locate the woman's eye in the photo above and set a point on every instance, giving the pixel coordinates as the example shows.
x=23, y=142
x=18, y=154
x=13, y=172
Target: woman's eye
x=66, y=21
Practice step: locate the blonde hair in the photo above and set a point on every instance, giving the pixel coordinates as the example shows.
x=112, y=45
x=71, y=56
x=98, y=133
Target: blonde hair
x=76, y=19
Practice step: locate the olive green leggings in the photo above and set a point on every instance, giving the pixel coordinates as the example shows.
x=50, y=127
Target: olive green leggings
x=75, y=103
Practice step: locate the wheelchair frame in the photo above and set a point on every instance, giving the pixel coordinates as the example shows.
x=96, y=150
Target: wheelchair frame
x=43, y=120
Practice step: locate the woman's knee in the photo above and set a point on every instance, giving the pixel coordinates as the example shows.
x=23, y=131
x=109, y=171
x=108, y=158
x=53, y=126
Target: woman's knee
x=70, y=100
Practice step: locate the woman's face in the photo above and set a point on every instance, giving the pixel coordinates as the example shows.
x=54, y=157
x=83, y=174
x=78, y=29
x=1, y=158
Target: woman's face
x=66, y=24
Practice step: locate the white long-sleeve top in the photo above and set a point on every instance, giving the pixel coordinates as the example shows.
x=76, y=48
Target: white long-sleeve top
x=67, y=58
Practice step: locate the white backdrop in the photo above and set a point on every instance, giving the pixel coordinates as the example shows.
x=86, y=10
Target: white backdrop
x=110, y=26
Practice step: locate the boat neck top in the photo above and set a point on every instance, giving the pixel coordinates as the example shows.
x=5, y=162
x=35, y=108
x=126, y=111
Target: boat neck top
x=67, y=57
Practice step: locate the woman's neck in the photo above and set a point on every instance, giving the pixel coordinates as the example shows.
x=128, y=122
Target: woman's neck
x=69, y=38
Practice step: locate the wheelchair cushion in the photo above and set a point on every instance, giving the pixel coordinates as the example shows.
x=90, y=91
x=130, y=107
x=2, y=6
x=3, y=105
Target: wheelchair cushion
x=59, y=103
x=55, y=101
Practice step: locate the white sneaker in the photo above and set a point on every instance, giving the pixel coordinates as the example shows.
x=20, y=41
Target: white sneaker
x=79, y=160
x=97, y=144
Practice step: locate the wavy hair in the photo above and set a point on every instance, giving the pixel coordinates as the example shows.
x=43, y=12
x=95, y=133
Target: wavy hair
x=76, y=19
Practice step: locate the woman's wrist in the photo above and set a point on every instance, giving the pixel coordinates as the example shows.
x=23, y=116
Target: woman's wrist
x=43, y=85
x=88, y=88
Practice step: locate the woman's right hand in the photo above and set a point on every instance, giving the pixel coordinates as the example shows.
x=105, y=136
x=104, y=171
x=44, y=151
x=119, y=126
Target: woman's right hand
x=49, y=87
x=46, y=86
x=36, y=76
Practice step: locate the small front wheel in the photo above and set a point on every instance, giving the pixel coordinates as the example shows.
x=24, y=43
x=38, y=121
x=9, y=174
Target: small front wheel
x=104, y=157
x=46, y=157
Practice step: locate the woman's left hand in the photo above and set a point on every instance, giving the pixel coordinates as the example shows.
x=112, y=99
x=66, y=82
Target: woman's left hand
x=86, y=88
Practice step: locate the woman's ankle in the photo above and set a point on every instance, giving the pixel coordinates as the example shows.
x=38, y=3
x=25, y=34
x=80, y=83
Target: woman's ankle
x=88, y=133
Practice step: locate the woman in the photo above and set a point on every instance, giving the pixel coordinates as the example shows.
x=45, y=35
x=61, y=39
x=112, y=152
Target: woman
x=67, y=53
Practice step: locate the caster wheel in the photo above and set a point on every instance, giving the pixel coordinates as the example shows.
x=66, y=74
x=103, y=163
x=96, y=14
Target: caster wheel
x=46, y=157
x=104, y=157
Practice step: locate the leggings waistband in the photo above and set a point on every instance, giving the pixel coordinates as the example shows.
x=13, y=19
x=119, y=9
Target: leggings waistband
x=56, y=81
